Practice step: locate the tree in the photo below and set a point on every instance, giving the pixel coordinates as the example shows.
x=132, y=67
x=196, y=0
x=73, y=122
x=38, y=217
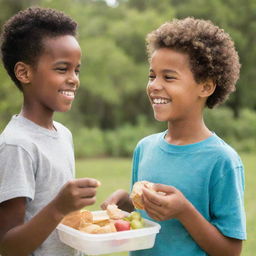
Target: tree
x=238, y=18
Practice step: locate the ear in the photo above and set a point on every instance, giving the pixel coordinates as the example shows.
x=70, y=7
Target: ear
x=207, y=89
x=23, y=72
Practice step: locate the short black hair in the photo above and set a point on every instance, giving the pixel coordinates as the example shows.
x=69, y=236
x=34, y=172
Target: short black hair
x=23, y=34
x=211, y=52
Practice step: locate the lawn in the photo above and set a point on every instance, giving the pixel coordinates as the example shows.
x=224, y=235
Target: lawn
x=115, y=174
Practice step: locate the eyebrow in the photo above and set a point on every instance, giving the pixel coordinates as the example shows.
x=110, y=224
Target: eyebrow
x=64, y=63
x=165, y=71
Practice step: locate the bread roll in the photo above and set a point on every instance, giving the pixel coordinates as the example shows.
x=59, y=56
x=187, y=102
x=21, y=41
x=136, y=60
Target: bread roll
x=136, y=194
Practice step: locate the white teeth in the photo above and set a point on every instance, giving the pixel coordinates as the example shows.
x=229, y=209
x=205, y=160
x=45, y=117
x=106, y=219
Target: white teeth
x=160, y=101
x=68, y=93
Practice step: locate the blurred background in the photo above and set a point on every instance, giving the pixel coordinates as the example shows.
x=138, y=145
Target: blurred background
x=111, y=112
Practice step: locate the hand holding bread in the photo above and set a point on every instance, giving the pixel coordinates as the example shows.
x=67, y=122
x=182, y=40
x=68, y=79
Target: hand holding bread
x=137, y=192
x=165, y=202
x=76, y=194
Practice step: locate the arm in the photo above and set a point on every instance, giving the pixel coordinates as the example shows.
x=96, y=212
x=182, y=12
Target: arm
x=19, y=238
x=121, y=198
x=175, y=205
x=208, y=236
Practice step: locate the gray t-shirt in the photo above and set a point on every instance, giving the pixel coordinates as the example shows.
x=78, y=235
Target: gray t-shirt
x=36, y=163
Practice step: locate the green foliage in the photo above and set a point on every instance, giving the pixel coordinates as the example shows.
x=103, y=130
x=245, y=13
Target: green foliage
x=239, y=133
x=10, y=98
x=118, y=142
x=122, y=141
x=89, y=142
x=238, y=18
x=114, y=71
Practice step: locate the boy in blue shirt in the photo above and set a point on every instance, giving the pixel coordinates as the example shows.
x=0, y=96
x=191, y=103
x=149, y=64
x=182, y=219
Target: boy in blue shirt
x=193, y=65
x=37, y=186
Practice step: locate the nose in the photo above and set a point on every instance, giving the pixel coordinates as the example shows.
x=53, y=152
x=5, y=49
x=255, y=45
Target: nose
x=155, y=85
x=73, y=80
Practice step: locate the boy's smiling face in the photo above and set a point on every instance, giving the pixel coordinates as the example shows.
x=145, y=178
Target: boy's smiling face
x=172, y=89
x=55, y=78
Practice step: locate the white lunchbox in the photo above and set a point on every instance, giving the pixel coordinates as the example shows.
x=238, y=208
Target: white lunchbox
x=96, y=244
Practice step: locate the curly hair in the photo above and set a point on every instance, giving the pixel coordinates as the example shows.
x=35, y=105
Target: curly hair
x=211, y=51
x=23, y=34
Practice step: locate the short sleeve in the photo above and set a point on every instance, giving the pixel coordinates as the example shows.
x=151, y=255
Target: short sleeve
x=17, y=177
x=135, y=164
x=227, y=201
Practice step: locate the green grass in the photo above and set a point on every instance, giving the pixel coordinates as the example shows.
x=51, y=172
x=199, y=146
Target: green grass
x=250, y=206
x=115, y=174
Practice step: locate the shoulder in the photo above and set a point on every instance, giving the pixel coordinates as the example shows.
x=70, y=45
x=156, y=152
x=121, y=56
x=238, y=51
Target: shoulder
x=15, y=144
x=62, y=129
x=148, y=143
x=227, y=163
x=15, y=134
x=150, y=139
x=224, y=152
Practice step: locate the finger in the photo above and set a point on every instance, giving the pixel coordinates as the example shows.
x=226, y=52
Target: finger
x=154, y=216
x=153, y=213
x=152, y=197
x=104, y=205
x=87, y=182
x=88, y=201
x=151, y=207
x=164, y=188
x=87, y=192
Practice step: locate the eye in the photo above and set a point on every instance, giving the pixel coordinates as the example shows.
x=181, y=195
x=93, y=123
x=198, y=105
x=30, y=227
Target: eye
x=169, y=78
x=61, y=69
x=151, y=77
x=77, y=71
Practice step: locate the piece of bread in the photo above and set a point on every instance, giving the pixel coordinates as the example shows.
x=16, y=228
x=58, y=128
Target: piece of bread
x=74, y=219
x=86, y=216
x=100, y=216
x=136, y=194
x=89, y=228
x=97, y=229
x=108, y=228
x=114, y=212
x=91, y=222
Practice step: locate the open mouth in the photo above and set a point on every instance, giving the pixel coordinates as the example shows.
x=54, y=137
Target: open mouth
x=68, y=93
x=160, y=100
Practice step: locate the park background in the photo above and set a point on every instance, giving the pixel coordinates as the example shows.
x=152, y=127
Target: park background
x=111, y=112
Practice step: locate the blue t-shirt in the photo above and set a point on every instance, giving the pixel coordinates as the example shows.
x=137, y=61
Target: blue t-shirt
x=209, y=173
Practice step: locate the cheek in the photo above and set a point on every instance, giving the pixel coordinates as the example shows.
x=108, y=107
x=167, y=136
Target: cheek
x=148, y=90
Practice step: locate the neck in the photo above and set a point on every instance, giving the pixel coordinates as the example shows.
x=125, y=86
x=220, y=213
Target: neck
x=183, y=132
x=43, y=119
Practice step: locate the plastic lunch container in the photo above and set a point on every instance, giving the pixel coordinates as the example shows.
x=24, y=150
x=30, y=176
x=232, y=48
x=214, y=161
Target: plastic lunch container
x=96, y=244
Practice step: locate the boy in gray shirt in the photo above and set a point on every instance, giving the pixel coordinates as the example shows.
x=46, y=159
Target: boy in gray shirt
x=37, y=188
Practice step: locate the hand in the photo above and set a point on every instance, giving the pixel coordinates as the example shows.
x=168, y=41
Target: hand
x=163, y=207
x=76, y=194
x=121, y=198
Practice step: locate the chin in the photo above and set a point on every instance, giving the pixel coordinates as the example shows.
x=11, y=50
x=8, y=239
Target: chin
x=63, y=110
x=161, y=118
